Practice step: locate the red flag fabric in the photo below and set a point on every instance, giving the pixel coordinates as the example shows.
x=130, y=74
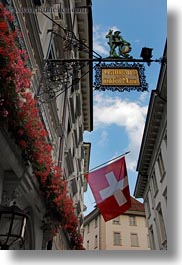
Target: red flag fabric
x=110, y=189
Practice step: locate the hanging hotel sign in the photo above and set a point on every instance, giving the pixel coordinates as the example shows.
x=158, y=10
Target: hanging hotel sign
x=120, y=77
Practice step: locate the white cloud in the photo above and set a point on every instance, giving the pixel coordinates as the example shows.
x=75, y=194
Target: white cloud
x=144, y=96
x=137, y=41
x=100, y=49
x=126, y=114
x=99, y=44
x=103, y=138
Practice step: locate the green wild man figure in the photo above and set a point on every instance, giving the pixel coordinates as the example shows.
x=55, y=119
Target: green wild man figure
x=117, y=41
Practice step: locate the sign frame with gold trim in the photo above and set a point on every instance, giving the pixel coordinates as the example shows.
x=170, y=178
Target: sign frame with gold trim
x=120, y=77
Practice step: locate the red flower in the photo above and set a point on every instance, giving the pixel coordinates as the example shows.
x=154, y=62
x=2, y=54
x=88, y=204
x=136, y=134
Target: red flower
x=22, y=144
x=3, y=26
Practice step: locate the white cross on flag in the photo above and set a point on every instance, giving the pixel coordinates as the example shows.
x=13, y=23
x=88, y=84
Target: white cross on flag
x=110, y=188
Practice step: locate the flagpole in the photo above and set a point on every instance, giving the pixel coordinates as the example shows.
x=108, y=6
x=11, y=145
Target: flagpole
x=107, y=162
x=99, y=165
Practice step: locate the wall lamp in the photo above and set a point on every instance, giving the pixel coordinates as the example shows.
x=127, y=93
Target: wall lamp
x=12, y=226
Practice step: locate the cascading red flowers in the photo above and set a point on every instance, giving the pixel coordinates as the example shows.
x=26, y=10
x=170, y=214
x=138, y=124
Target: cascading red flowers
x=19, y=112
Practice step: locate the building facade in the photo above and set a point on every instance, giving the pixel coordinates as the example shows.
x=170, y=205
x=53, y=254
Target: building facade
x=125, y=232
x=51, y=31
x=151, y=183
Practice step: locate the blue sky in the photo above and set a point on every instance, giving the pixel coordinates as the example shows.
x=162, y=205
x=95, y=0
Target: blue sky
x=119, y=117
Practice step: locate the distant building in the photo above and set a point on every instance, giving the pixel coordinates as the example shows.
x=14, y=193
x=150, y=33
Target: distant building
x=152, y=163
x=125, y=232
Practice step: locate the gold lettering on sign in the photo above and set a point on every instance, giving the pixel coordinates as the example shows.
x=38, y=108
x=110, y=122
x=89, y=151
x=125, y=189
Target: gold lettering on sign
x=120, y=77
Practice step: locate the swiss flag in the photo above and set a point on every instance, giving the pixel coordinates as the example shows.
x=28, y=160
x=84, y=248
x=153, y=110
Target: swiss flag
x=110, y=188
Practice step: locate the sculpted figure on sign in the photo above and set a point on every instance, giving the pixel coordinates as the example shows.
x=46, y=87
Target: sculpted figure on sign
x=117, y=41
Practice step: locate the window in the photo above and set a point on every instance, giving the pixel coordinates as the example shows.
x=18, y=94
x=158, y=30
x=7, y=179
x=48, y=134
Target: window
x=117, y=239
x=72, y=109
x=148, y=241
x=154, y=184
x=80, y=134
x=165, y=138
x=78, y=104
x=161, y=225
x=74, y=186
x=165, y=195
x=134, y=240
x=76, y=137
x=88, y=244
x=132, y=220
x=116, y=221
x=38, y=2
x=69, y=126
x=151, y=237
x=96, y=241
x=147, y=207
x=161, y=166
x=88, y=228
x=96, y=223
x=69, y=162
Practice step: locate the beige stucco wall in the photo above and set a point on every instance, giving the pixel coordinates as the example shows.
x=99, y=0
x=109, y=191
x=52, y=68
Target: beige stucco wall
x=125, y=229
x=90, y=232
x=105, y=232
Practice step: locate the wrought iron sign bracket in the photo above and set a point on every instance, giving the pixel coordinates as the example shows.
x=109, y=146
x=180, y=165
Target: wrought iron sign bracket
x=118, y=72
x=111, y=73
x=104, y=60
